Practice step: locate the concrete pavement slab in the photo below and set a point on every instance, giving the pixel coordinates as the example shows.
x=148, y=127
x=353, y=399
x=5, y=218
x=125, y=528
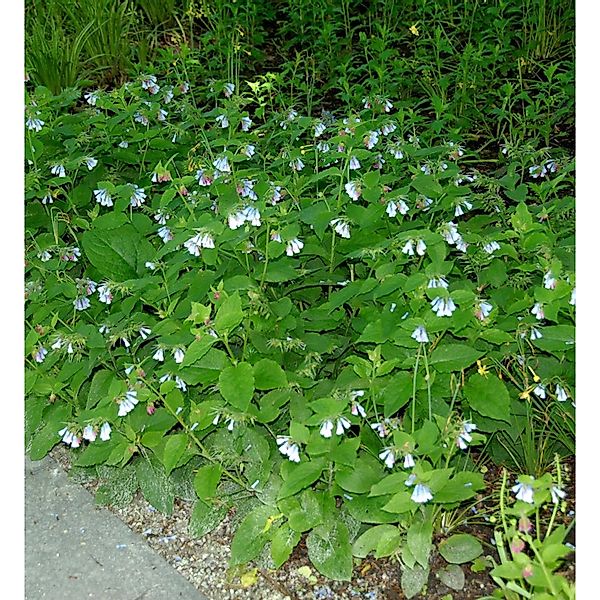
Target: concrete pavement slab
x=76, y=549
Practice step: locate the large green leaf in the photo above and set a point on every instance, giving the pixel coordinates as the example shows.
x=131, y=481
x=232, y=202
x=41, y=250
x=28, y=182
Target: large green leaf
x=453, y=357
x=251, y=535
x=488, y=395
x=174, y=449
x=206, y=480
x=330, y=551
x=301, y=476
x=155, y=485
x=460, y=548
x=236, y=384
x=284, y=540
x=268, y=375
x=119, y=253
x=230, y=314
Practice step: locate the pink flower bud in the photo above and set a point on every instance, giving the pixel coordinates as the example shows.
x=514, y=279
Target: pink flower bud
x=517, y=545
x=527, y=571
x=525, y=525
x=150, y=409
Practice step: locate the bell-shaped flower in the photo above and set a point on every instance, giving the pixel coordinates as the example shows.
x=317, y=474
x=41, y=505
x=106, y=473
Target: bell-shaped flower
x=443, y=307
x=523, y=492
x=40, y=355
x=420, y=335
x=246, y=123
x=228, y=89
x=127, y=404
x=341, y=227
x=421, y=247
x=34, y=124
x=342, y=425
x=483, y=310
x=409, y=248
x=81, y=303
x=90, y=162
x=438, y=282
x=409, y=461
x=388, y=456
x=105, y=432
x=296, y=164
x=354, y=163
x=538, y=311
x=103, y=197
x=491, y=247
x=288, y=448
x=421, y=494
x=178, y=355
x=104, y=294
x=70, y=438
x=145, y=332
x=164, y=233
x=58, y=170
x=549, y=281
x=371, y=139
x=294, y=247
x=138, y=196
x=561, y=394
x=461, y=207
x=557, y=494
x=222, y=164
x=353, y=190
x=327, y=429
x=223, y=122
x=540, y=391
x=535, y=334
x=319, y=128
x=89, y=433
x=159, y=355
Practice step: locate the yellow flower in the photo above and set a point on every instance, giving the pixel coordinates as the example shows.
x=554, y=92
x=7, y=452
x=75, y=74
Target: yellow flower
x=413, y=29
x=525, y=395
x=482, y=369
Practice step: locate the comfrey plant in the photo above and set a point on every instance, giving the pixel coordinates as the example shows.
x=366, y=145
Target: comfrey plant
x=309, y=331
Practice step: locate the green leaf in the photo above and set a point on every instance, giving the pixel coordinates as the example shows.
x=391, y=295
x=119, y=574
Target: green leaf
x=460, y=548
x=206, y=481
x=155, y=485
x=118, y=253
x=251, y=535
x=329, y=550
x=453, y=357
x=268, y=375
x=452, y=576
x=370, y=539
x=197, y=349
x=99, y=388
x=488, y=396
x=307, y=512
x=205, y=518
x=94, y=454
x=236, y=385
x=413, y=580
x=230, y=314
x=284, y=540
x=174, y=449
x=426, y=185
x=366, y=472
x=521, y=219
x=301, y=476
x=418, y=539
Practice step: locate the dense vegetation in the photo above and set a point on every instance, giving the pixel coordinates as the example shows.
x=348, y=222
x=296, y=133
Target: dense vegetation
x=317, y=260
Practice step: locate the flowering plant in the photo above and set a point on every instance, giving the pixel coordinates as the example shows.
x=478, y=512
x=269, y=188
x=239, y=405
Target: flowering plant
x=311, y=314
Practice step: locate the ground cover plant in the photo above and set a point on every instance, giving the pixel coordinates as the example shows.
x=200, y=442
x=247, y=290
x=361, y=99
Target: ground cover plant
x=326, y=316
